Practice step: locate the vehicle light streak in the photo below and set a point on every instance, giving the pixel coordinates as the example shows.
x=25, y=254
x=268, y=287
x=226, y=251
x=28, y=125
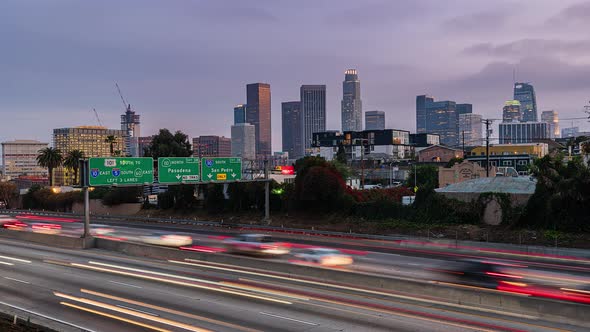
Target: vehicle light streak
x=131, y=312
x=170, y=311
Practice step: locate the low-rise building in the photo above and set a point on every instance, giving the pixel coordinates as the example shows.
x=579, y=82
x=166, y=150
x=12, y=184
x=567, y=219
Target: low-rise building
x=464, y=171
x=438, y=153
x=424, y=140
x=538, y=150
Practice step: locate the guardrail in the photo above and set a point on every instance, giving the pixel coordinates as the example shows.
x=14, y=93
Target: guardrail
x=21, y=316
x=541, y=251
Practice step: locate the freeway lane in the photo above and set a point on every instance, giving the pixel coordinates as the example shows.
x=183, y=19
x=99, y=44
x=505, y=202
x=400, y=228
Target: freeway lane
x=104, y=291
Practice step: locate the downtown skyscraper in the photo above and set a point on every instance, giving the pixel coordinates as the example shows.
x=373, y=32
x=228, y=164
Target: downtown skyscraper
x=258, y=114
x=130, y=125
x=292, y=124
x=313, y=107
x=440, y=117
x=352, y=107
x=525, y=94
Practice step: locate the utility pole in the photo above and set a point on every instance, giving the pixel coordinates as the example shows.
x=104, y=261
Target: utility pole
x=487, y=122
x=463, y=143
x=266, y=193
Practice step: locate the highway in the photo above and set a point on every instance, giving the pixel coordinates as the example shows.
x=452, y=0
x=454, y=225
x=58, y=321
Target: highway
x=105, y=291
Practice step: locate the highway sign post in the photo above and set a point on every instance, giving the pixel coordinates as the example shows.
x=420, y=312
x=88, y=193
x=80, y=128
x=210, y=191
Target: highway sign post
x=172, y=170
x=221, y=169
x=120, y=171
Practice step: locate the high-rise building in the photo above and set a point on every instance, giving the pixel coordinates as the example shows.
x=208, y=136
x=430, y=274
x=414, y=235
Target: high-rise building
x=374, y=120
x=523, y=132
x=440, y=117
x=292, y=123
x=470, y=129
x=243, y=141
x=525, y=94
x=464, y=108
x=258, y=114
x=313, y=106
x=511, y=111
x=240, y=114
x=144, y=143
x=130, y=125
x=92, y=140
x=352, y=107
x=552, y=119
x=19, y=158
x=211, y=146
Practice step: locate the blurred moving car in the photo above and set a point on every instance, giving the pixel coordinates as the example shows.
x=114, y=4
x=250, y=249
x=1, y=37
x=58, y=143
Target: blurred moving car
x=324, y=256
x=256, y=244
x=165, y=239
x=479, y=272
x=15, y=225
x=98, y=229
x=6, y=219
x=45, y=228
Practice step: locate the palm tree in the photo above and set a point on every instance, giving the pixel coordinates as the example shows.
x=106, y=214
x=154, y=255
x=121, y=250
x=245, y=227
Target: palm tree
x=111, y=140
x=50, y=158
x=72, y=161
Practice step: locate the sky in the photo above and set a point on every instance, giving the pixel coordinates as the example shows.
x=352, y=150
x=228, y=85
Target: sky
x=184, y=64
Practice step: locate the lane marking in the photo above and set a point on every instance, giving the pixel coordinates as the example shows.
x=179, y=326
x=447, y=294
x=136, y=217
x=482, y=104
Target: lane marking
x=134, y=309
x=124, y=284
x=16, y=259
x=131, y=312
x=17, y=280
x=104, y=314
x=287, y=318
x=170, y=311
x=5, y=263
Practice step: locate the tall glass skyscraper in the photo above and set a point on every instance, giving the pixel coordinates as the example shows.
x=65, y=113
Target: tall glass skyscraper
x=525, y=94
x=374, y=120
x=292, y=120
x=313, y=107
x=511, y=111
x=258, y=114
x=552, y=118
x=352, y=107
x=240, y=114
x=440, y=117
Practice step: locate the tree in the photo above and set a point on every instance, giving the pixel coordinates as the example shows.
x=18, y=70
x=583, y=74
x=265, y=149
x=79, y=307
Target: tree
x=112, y=140
x=50, y=158
x=166, y=144
x=426, y=176
x=72, y=161
x=341, y=154
x=8, y=193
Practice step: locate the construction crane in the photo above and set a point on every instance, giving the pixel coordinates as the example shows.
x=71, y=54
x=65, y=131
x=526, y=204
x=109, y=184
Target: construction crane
x=97, y=117
x=125, y=104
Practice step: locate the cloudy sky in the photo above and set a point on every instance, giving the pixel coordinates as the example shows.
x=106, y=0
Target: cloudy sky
x=184, y=64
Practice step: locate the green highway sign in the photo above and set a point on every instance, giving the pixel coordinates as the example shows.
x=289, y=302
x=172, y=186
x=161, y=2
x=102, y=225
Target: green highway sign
x=178, y=170
x=120, y=171
x=221, y=169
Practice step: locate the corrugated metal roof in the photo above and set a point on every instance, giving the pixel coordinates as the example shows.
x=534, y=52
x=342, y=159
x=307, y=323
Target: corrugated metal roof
x=498, y=184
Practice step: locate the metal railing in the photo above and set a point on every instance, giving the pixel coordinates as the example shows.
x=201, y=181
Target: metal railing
x=24, y=317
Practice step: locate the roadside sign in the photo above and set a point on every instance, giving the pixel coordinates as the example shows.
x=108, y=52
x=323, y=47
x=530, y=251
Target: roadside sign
x=173, y=170
x=120, y=171
x=221, y=169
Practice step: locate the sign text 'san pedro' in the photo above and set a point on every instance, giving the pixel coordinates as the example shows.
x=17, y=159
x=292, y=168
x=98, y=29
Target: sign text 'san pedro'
x=221, y=169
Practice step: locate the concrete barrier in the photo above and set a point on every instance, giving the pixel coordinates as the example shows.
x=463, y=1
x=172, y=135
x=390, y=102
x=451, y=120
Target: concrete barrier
x=546, y=309
x=49, y=239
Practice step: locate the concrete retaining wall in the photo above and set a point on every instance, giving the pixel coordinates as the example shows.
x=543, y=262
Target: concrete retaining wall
x=562, y=312
x=50, y=240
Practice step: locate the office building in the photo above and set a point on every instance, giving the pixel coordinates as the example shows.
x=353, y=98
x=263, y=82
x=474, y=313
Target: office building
x=470, y=129
x=352, y=107
x=525, y=94
x=440, y=117
x=243, y=141
x=240, y=114
x=144, y=144
x=388, y=144
x=523, y=132
x=313, y=106
x=258, y=114
x=19, y=158
x=131, y=126
x=292, y=124
x=552, y=118
x=511, y=111
x=570, y=132
x=374, y=120
x=424, y=140
x=464, y=108
x=92, y=140
x=211, y=146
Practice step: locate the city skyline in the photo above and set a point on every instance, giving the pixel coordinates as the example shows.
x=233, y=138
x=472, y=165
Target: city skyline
x=178, y=76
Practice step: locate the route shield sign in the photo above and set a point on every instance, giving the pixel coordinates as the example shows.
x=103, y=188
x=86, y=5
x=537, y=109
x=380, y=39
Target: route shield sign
x=120, y=171
x=221, y=169
x=178, y=170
